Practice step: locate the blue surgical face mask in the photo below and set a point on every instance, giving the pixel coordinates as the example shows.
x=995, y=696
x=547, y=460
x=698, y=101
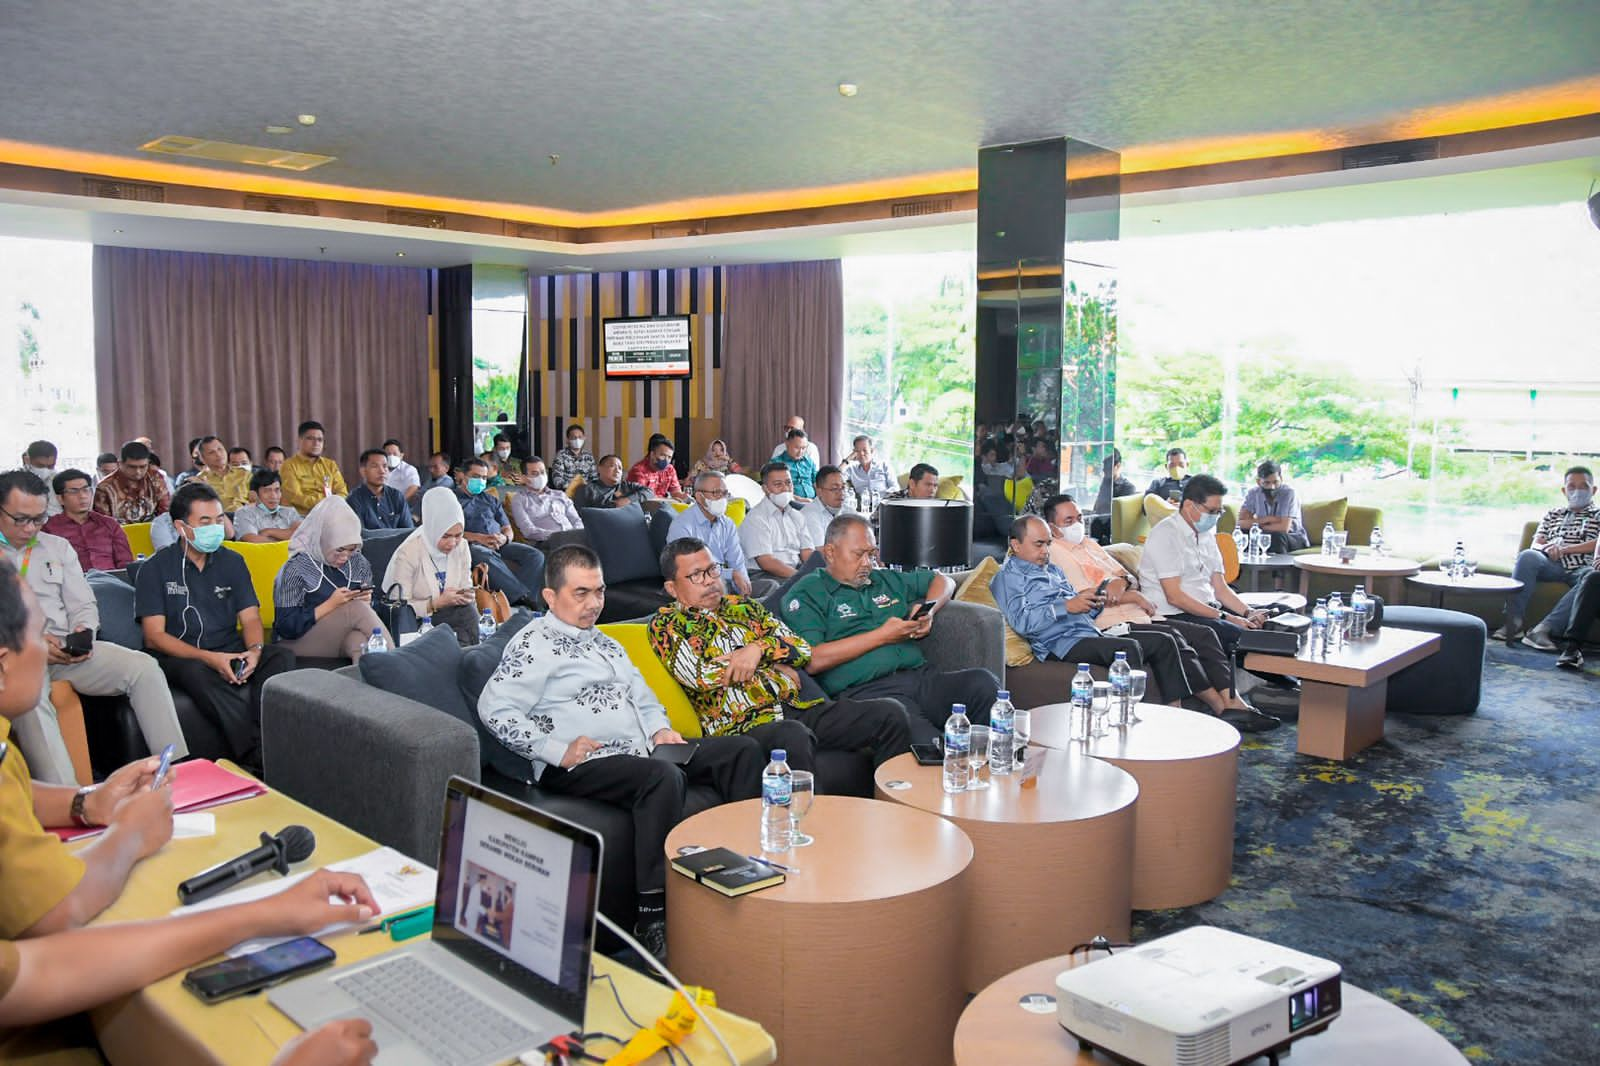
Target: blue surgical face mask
x=1207, y=522
x=475, y=485
x=207, y=539
x=662, y=464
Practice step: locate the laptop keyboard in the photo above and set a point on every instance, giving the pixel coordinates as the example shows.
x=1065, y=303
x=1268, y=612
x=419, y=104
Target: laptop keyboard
x=449, y=1024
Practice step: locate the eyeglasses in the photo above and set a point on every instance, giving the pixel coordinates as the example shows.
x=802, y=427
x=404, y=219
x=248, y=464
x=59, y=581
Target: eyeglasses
x=720, y=495
x=704, y=576
x=34, y=520
x=81, y=490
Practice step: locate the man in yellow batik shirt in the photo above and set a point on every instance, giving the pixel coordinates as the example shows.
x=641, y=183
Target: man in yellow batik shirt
x=309, y=476
x=231, y=483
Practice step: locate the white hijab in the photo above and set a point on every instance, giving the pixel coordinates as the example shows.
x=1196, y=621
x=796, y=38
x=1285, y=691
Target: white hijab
x=440, y=511
x=330, y=525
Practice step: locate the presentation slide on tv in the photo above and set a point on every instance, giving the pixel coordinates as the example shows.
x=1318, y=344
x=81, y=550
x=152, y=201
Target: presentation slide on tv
x=514, y=888
x=646, y=346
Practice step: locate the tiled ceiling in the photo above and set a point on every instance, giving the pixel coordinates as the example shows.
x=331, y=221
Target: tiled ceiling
x=652, y=103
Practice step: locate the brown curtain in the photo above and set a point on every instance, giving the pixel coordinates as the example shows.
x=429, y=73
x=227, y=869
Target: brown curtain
x=784, y=356
x=247, y=348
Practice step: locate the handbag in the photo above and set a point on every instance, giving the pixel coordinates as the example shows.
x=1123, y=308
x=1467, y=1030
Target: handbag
x=397, y=614
x=488, y=599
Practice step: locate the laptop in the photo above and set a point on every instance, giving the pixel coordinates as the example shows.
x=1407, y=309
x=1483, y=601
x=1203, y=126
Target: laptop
x=513, y=932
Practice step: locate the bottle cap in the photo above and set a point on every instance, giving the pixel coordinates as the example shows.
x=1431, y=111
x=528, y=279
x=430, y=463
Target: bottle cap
x=779, y=755
x=958, y=708
x=1003, y=695
x=1122, y=655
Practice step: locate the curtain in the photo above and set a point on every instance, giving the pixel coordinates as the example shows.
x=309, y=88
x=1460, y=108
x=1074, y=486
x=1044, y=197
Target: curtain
x=784, y=356
x=455, y=362
x=246, y=348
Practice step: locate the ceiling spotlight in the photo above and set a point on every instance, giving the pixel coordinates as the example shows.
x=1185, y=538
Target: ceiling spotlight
x=280, y=130
x=307, y=120
x=399, y=255
x=554, y=159
x=848, y=89
x=119, y=231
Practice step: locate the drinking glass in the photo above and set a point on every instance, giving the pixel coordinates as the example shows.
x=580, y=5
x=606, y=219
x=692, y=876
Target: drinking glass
x=802, y=789
x=1021, y=732
x=1137, y=679
x=1100, y=707
x=977, y=757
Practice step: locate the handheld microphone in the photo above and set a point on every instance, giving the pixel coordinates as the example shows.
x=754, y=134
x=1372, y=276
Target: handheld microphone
x=293, y=843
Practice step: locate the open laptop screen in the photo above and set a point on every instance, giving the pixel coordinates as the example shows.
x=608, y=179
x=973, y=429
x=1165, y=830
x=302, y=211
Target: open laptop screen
x=517, y=895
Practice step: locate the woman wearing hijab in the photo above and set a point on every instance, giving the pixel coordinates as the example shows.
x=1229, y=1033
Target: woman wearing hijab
x=433, y=567
x=716, y=461
x=323, y=593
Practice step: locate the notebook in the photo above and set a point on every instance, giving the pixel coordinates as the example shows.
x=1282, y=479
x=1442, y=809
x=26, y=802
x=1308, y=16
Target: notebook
x=727, y=871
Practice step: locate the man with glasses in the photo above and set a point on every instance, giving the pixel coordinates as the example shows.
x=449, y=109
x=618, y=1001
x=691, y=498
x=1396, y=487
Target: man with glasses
x=539, y=511
x=829, y=504
x=708, y=523
x=309, y=476
x=49, y=565
x=98, y=539
x=136, y=492
x=857, y=619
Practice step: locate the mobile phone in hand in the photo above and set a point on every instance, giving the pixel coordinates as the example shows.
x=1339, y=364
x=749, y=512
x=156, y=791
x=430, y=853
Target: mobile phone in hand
x=238, y=667
x=919, y=610
x=77, y=643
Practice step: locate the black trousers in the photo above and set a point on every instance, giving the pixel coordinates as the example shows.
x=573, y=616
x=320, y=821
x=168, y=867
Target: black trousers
x=1283, y=543
x=798, y=743
x=930, y=692
x=1154, y=652
x=653, y=790
x=1585, y=608
x=1204, y=662
x=850, y=724
x=234, y=709
x=516, y=569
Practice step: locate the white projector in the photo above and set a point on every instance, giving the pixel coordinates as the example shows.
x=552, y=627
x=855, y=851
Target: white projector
x=1201, y=997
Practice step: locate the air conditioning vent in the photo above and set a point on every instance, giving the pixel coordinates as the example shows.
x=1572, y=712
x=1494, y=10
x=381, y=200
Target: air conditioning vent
x=280, y=205
x=423, y=219
x=693, y=228
x=1383, y=155
x=530, y=231
x=913, y=208
x=1209, y=1048
x=228, y=152
x=124, y=190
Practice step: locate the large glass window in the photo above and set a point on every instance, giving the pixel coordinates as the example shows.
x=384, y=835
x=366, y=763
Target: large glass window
x=47, y=320
x=499, y=349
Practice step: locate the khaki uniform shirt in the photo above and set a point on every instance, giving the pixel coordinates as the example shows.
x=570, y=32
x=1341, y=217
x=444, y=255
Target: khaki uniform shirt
x=304, y=481
x=36, y=870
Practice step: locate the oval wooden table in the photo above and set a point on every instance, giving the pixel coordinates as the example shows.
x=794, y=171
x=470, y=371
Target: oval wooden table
x=996, y=1028
x=1291, y=600
x=1388, y=569
x=1054, y=862
x=1438, y=584
x=1187, y=766
x=854, y=957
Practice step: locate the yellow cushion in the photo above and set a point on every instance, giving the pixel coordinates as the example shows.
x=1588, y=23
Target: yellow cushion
x=635, y=639
x=1018, y=493
x=1316, y=515
x=737, y=509
x=975, y=589
x=950, y=488
x=1155, y=508
x=139, y=539
x=1230, y=556
x=264, y=562
x=574, y=485
x=1126, y=554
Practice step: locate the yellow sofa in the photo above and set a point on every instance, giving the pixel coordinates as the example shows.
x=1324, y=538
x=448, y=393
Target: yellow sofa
x=264, y=561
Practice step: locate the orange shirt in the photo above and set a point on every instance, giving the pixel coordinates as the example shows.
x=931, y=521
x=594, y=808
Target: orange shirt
x=1086, y=564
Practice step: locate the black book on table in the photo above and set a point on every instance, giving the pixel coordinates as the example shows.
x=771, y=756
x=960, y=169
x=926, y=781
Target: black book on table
x=727, y=871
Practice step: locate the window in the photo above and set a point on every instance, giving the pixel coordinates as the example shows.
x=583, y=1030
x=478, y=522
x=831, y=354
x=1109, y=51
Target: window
x=47, y=320
x=499, y=346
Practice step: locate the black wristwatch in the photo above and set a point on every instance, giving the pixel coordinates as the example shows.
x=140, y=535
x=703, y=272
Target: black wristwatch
x=78, y=799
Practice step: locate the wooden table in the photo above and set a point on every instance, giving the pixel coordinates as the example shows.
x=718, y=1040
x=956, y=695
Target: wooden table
x=1389, y=569
x=1292, y=600
x=1187, y=766
x=1256, y=565
x=1342, y=695
x=1437, y=583
x=996, y=1029
x=856, y=956
x=1054, y=863
x=249, y=1029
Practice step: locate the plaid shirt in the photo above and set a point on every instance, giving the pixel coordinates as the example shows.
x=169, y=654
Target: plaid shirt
x=1562, y=525
x=687, y=641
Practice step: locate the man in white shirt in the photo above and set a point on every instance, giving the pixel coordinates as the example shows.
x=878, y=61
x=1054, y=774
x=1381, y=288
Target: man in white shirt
x=796, y=422
x=773, y=535
x=828, y=505
x=870, y=477
x=40, y=461
x=402, y=476
x=538, y=510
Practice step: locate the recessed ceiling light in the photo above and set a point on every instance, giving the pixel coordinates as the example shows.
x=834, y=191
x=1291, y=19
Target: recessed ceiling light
x=848, y=88
x=280, y=130
x=307, y=120
x=119, y=231
x=399, y=255
x=578, y=267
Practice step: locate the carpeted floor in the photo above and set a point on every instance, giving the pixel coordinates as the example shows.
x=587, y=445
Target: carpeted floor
x=1453, y=869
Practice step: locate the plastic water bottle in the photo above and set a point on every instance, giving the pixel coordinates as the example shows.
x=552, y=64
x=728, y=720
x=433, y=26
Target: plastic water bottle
x=1001, y=735
x=1338, y=620
x=376, y=643
x=1259, y=540
x=1458, y=561
x=1377, y=542
x=1082, y=694
x=139, y=558
x=485, y=625
x=1319, y=627
x=957, y=743
x=1328, y=545
x=1361, y=604
x=1242, y=544
x=777, y=829
x=424, y=625
x=1121, y=684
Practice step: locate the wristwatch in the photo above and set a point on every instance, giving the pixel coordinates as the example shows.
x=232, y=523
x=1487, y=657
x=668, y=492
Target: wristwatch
x=79, y=819
x=255, y=647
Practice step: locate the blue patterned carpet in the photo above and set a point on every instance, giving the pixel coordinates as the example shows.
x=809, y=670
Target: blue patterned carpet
x=1453, y=869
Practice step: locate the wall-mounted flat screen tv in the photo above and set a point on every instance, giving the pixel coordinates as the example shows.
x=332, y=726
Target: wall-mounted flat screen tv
x=644, y=347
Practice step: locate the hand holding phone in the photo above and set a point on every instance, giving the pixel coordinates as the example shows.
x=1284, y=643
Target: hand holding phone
x=919, y=610
x=78, y=643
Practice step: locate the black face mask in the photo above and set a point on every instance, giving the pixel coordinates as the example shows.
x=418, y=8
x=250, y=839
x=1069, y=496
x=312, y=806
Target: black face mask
x=1272, y=494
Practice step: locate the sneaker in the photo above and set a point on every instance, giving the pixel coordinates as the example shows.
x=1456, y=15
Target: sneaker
x=1251, y=721
x=1511, y=632
x=653, y=935
x=1539, y=638
x=1571, y=657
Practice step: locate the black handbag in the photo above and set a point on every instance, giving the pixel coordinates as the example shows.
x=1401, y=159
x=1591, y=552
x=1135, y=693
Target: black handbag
x=397, y=614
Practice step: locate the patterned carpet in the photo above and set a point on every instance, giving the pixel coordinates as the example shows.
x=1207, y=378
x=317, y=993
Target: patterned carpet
x=1453, y=869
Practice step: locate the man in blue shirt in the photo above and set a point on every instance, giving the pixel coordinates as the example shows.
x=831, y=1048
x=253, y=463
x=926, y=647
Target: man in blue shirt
x=708, y=521
x=374, y=502
x=1273, y=506
x=802, y=469
x=515, y=569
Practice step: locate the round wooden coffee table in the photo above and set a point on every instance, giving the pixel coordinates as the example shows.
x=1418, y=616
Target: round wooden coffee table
x=1053, y=861
x=1388, y=569
x=1437, y=584
x=996, y=1027
x=855, y=957
x=1187, y=766
x=1292, y=600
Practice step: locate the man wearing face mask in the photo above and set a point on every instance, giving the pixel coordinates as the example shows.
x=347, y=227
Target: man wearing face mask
x=501, y=452
x=239, y=459
x=402, y=476
x=708, y=522
x=537, y=509
x=202, y=622
x=773, y=534
x=1181, y=569
x=1563, y=550
x=572, y=461
x=1274, y=507
x=655, y=471
x=268, y=519
x=1171, y=486
x=40, y=460
x=515, y=569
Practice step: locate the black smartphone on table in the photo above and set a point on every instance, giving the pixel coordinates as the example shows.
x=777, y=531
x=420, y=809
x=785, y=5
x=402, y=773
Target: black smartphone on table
x=929, y=754
x=258, y=970
x=78, y=643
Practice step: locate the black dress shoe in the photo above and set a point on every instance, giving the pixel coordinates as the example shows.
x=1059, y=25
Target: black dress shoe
x=1571, y=657
x=1251, y=721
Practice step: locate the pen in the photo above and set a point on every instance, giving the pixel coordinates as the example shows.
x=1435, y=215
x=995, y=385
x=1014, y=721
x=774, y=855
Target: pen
x=166, y=764
x=774, y=865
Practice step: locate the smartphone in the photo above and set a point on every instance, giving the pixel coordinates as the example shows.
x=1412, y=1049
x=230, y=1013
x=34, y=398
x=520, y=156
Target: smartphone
x=919, y=610
x=78, y=643
x=238, y=667
x=1100, y=589
x=166, y=764
x=258, y=970
x=677, y=754
x=929, y=754
x=361, y=588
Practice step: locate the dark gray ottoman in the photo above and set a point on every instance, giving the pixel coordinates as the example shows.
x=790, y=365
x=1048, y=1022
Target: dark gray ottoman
x=1448, y=681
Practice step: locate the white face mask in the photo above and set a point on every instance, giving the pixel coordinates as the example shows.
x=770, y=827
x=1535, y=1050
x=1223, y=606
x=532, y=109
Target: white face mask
x=504, y=453
x=1580, y=498
x=537, y=482
x=718, y=508
x=1072, y=534
x=392, y=462
x=575, y=443
x=781, y=500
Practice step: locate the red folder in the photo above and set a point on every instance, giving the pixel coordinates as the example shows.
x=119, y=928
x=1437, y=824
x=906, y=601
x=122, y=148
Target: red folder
x=197, y=784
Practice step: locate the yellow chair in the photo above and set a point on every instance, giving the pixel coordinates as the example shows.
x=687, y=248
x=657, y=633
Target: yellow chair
x=574, y=485
x=1156, y=509
x=1230, y=556
x=635, y=640
x=139, y=539
x=737, y=509
x=264, y=561
x=1018, y=493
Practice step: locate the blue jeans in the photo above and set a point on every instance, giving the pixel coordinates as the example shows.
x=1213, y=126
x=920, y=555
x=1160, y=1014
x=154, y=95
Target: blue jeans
x=1534, y=566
